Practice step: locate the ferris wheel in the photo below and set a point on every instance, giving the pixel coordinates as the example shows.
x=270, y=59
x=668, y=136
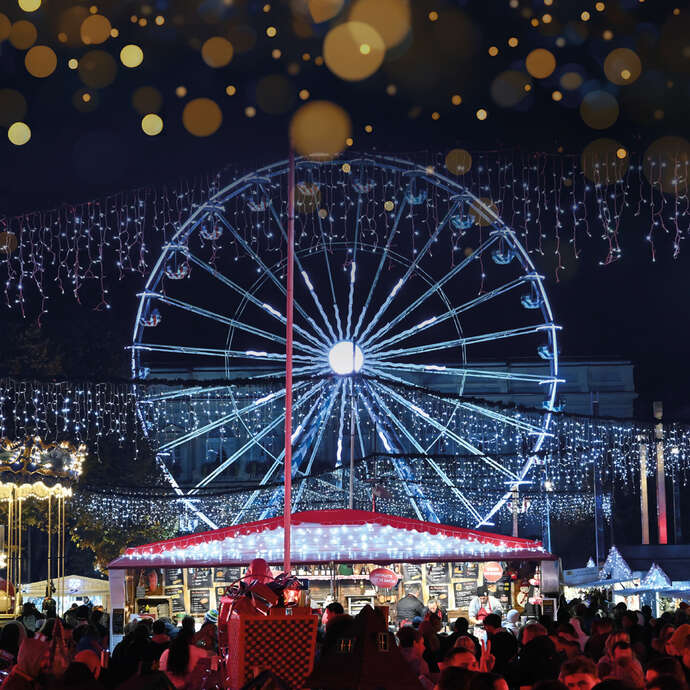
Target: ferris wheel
x=412, y=299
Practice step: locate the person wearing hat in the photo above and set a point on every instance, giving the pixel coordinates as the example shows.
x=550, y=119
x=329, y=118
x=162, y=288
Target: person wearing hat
x=482, y=605
x=207, y=637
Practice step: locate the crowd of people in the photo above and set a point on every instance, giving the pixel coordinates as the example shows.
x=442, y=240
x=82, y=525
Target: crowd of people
x=71, y=652
x=586, y=648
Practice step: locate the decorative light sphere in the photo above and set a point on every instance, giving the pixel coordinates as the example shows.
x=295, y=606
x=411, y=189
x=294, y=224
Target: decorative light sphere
x=341, y=360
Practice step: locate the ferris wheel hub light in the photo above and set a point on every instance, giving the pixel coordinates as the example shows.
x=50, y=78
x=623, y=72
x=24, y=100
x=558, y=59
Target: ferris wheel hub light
x=345, y=358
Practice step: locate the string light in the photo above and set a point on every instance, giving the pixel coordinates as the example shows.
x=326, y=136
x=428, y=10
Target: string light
x=575, y=202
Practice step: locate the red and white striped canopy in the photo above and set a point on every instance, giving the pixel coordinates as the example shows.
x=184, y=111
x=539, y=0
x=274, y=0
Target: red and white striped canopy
x=341, y=536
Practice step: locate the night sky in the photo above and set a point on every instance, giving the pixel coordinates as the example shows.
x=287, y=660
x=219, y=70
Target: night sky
x=633, y=309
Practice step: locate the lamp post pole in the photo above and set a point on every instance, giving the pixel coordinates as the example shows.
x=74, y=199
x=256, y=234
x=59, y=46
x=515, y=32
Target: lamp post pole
x=287, y=503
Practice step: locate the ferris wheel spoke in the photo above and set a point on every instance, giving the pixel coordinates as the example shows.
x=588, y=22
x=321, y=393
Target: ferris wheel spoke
x=329, y=273
x=271, y=470
x=310, y=441
x=516, y=421
x=470, y=340
x=430, y=291
x=221, y=421
x=435, y=320
x=508, y=495
x=353, y=267
x=469, y=373
x=421, y=414
x=215, y=352
x=267, y=271
x=430, y=461
x=317, y=301
x=382, y=261
x=160, y=459
x=254, y=440
x=303, y=273
x=341, y=425
x=315, y=369
x=420, y=503
x=410, y=270
x=245, y=294
x=337, y=388
x=181, y=393
x=199, y=311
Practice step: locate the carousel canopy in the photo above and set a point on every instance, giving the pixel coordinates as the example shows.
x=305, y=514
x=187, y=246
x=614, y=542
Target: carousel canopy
x=342, y=536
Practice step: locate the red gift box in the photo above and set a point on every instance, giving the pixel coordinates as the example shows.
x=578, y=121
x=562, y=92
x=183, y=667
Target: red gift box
x=284, y=644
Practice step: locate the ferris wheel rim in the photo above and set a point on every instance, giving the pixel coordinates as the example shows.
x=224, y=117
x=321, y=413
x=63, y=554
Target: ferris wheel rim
x=399, y=165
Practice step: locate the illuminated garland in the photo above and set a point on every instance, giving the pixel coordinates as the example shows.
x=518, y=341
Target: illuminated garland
x=88, y=412
x=555, y=203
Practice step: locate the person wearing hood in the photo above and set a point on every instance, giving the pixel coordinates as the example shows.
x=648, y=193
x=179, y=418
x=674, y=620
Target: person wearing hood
x=512, y=622
x=24, y=675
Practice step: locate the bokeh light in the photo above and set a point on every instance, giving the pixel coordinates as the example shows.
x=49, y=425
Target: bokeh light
x=85, y=101
x=540, y=63
x=319, y=130
x=481, y=114
x=97, y=69
x=181, y=91
x=95, y=29
x=622, y=66
x=508, y=88
x=8, y=242
x=557, y=96
x=5, y=27
x=23, y=34
x=73, y=63
x=341, y=50
x=231, y=90
x=391, y=19
x=275, y=94
x=601, y=162
x=486, y=215
x=388, y=205
x=665, y=163
x=152, y=124
x=458, y=161
x=271, y=32
x=242, y=38
x=599, y=109
x=217, y=52
x=69, y=25
x=131, y=56
x=323, y=10
x=147, y=99
x=202, y=117
x=19, y=133
x=29, y=5
x=12, y=107
x=571, y=81
x=40, y=61
x=250, y=111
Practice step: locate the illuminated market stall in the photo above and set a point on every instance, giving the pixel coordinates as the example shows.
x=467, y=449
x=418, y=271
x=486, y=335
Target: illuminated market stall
x=336, y=551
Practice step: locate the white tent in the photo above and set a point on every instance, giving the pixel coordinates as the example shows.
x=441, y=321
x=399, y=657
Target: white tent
x=76, y=588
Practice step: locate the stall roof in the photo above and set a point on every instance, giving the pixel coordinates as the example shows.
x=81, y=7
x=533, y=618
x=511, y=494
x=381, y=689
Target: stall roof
x=673, y=559
x=342, y=536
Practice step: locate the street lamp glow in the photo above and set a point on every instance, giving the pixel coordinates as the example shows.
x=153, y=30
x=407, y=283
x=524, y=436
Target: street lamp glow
x=342, y=359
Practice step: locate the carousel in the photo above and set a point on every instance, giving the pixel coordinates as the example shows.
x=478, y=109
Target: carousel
x=41, y=474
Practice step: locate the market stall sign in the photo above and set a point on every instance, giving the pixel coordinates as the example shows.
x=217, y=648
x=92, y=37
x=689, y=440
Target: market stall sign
x=383, y=577
x=493, y=571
